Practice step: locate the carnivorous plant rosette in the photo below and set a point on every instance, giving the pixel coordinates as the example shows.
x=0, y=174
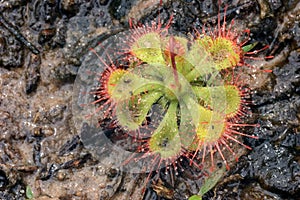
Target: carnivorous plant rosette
x=160, y=98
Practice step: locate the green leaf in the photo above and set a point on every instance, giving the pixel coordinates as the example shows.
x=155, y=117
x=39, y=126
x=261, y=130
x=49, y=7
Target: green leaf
x=148, y=48
x=223, y=99
x=248, y=47
x=195, y=197
x=29, y=193
x=202, y=62
x=211, y=181
x=166, y=140
x=189, y=119
x=178, y=46
x=131, y=113
x=138, y=80
x=210, y=127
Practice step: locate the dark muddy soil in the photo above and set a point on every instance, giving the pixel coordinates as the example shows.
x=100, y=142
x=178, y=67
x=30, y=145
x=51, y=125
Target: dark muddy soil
x=44, y=43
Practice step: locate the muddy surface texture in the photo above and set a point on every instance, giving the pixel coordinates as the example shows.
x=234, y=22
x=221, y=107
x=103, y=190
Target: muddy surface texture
x=42, y=47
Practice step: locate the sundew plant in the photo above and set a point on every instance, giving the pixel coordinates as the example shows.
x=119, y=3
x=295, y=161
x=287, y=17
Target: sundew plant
x=165, y=97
